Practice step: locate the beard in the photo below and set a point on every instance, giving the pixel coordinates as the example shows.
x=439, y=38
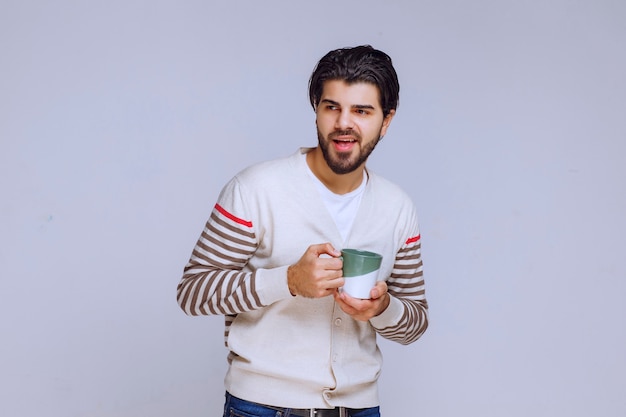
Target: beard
x=343, y=162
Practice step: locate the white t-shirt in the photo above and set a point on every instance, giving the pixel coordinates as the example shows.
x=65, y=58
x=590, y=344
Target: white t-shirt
x=342, y=207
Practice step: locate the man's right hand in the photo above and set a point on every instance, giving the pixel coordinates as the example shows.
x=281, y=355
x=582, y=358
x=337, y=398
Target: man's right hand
x=314, y=276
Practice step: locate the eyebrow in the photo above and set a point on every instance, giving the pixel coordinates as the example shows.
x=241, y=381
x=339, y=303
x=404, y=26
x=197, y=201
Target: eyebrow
x=356, y=106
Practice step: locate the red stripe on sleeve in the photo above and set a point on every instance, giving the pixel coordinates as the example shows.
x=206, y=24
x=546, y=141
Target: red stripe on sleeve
x=413, y=239
x=232, y=217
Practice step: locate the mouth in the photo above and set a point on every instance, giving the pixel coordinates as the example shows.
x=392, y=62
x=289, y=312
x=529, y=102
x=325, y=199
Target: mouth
x=344, y=140
x=344, y=145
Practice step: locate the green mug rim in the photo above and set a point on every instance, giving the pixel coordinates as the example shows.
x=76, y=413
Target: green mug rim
x=365, y=262
x=362, y=252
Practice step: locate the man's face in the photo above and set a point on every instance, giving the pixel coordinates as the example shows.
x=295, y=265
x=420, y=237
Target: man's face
x=350, y=123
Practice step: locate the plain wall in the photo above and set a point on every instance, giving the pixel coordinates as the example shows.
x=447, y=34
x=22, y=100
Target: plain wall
x=120, y=121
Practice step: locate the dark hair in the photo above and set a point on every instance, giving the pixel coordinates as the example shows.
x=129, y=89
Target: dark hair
x=353, y=65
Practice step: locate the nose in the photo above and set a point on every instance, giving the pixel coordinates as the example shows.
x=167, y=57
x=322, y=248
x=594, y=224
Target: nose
x=344, y=120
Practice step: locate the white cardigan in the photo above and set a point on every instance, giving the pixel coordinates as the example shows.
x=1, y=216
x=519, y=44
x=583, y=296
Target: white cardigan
x=293, y=351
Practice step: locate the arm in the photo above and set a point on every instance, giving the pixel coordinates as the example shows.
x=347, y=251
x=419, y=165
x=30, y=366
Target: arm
x=213, y=281
x=397, y=309
x=216, y=280
x=406, y=317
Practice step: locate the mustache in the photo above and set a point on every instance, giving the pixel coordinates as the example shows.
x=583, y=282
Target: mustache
x=334, y=135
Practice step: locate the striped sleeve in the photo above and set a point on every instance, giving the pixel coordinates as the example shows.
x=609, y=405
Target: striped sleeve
x=406, y=287
x=213, y=282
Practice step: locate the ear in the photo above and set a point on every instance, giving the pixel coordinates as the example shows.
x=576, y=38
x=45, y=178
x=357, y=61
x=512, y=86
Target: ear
x=387, y=122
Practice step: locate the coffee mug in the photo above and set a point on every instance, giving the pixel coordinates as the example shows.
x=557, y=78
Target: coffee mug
x=360, y=272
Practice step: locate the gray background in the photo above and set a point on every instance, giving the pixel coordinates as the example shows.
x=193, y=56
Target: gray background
x=121, y=120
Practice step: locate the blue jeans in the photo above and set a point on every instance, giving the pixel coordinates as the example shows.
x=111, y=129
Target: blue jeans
x=236, y=407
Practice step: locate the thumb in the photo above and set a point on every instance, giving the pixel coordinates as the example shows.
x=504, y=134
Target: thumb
x=325, y=249
x=330, y=249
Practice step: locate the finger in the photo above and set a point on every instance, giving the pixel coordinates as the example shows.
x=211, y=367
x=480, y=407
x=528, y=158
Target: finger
x=331, y=264
x=335, y=282
x=379, y=290
x=340, y=298
x=355, y=303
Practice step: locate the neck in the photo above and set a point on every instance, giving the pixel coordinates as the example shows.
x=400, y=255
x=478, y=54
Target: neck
x=337, y=183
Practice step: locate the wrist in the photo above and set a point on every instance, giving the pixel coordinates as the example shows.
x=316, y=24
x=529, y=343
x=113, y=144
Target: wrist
x=290, y=285
x=385, y=304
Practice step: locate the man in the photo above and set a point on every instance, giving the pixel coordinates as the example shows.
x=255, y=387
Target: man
x=269, y=260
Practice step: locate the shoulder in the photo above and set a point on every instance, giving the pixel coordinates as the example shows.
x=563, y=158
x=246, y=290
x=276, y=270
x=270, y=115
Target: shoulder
x=388, y=200
x=265, y=180
x=261, y=187
x=269, y=172
x=387, y=191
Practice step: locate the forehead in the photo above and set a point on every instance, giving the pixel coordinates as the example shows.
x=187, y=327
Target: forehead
x=359, y=93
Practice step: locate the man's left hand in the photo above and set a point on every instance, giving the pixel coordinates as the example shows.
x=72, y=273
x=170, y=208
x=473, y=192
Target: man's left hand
x=364, y=310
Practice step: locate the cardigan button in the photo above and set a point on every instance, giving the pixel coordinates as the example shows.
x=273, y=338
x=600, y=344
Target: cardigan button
x=337, y=322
